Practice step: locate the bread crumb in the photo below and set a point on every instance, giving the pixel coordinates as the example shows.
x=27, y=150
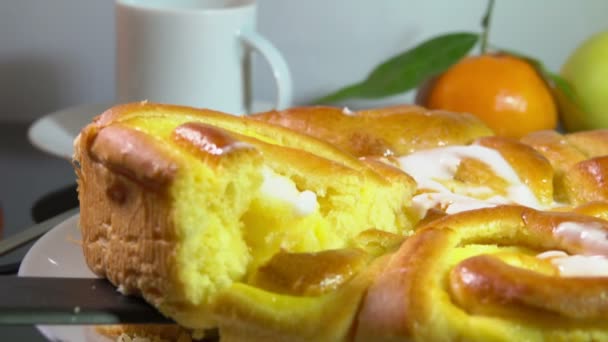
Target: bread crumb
x=122, y=290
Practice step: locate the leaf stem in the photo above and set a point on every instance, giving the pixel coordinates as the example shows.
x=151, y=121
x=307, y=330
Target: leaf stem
x=485, y=25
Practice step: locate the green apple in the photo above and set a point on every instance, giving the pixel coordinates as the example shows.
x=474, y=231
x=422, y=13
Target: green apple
x=587, y=71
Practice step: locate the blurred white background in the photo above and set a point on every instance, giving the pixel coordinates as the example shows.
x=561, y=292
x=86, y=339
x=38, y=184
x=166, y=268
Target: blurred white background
x=59, y=53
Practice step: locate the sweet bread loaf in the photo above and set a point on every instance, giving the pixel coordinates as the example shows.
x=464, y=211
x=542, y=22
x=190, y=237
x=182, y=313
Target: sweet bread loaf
x=178, y=204
x=507, y=273
x=391, y=224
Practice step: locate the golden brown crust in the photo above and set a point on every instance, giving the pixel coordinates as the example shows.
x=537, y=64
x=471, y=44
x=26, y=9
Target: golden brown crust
x=309, y=274
x=596, y=208
x=207, y=140
x=115, y=210
x=155, y=333
x=388, y=171
x=563, y=151
x=555, y=148
x=263, y=131
x=399, y=109
x=592, y=143
x=578, y=161
x=396, y=130
x=482, y=281
x=385, y=309
x=414, y=298
x=546, y=161
x=133, y=154
x=533, y=169
x=587, y=181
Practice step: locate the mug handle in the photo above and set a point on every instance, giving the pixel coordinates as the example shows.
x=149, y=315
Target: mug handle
x=280, y=70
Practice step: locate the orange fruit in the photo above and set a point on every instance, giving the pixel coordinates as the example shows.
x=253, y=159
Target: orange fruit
x=505, y=92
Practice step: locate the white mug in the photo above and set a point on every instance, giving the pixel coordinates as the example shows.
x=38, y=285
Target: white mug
x=194, y=53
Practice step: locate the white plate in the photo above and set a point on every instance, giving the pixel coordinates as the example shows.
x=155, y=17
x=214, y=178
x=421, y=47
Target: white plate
x=58, y=254
x=54, y=133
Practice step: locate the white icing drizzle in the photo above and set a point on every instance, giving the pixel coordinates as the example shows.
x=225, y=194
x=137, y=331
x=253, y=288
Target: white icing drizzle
x=429, y=167
x=282, y=188
x=552, y=254
x=582, y=266
x=450, y=202
x=592, y=241
x=348, y=112
x=577, y=265
x=590, y=237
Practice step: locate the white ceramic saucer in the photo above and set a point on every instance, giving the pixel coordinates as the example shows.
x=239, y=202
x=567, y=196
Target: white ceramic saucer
x=54, y=133
x=58, y=254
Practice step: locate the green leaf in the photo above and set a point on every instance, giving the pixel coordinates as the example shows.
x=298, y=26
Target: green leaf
x=407, y=70
x=535, y=62
x=344, y=93
x=558, y=82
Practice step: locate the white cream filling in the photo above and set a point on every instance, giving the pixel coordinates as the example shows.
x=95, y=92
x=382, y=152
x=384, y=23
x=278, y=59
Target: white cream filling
x=429, y=167
x=282, y=188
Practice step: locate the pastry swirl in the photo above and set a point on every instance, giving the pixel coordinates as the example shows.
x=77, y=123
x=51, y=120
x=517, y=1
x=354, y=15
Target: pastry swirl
x=478, y=276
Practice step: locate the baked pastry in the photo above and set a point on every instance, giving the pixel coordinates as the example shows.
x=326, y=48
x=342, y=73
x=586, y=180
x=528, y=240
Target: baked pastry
x=491, y=171
x=494, y=274
x=270, y=233
x=389, y=131
x=147, y=333
x=580, y=161
x=178, y=204
x=457, y=162
x=507, y=273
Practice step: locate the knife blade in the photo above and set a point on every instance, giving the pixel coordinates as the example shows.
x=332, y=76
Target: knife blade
x=40, y=300
x=17, y=240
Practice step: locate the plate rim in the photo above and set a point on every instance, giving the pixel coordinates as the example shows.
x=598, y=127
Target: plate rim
x=50, y=332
